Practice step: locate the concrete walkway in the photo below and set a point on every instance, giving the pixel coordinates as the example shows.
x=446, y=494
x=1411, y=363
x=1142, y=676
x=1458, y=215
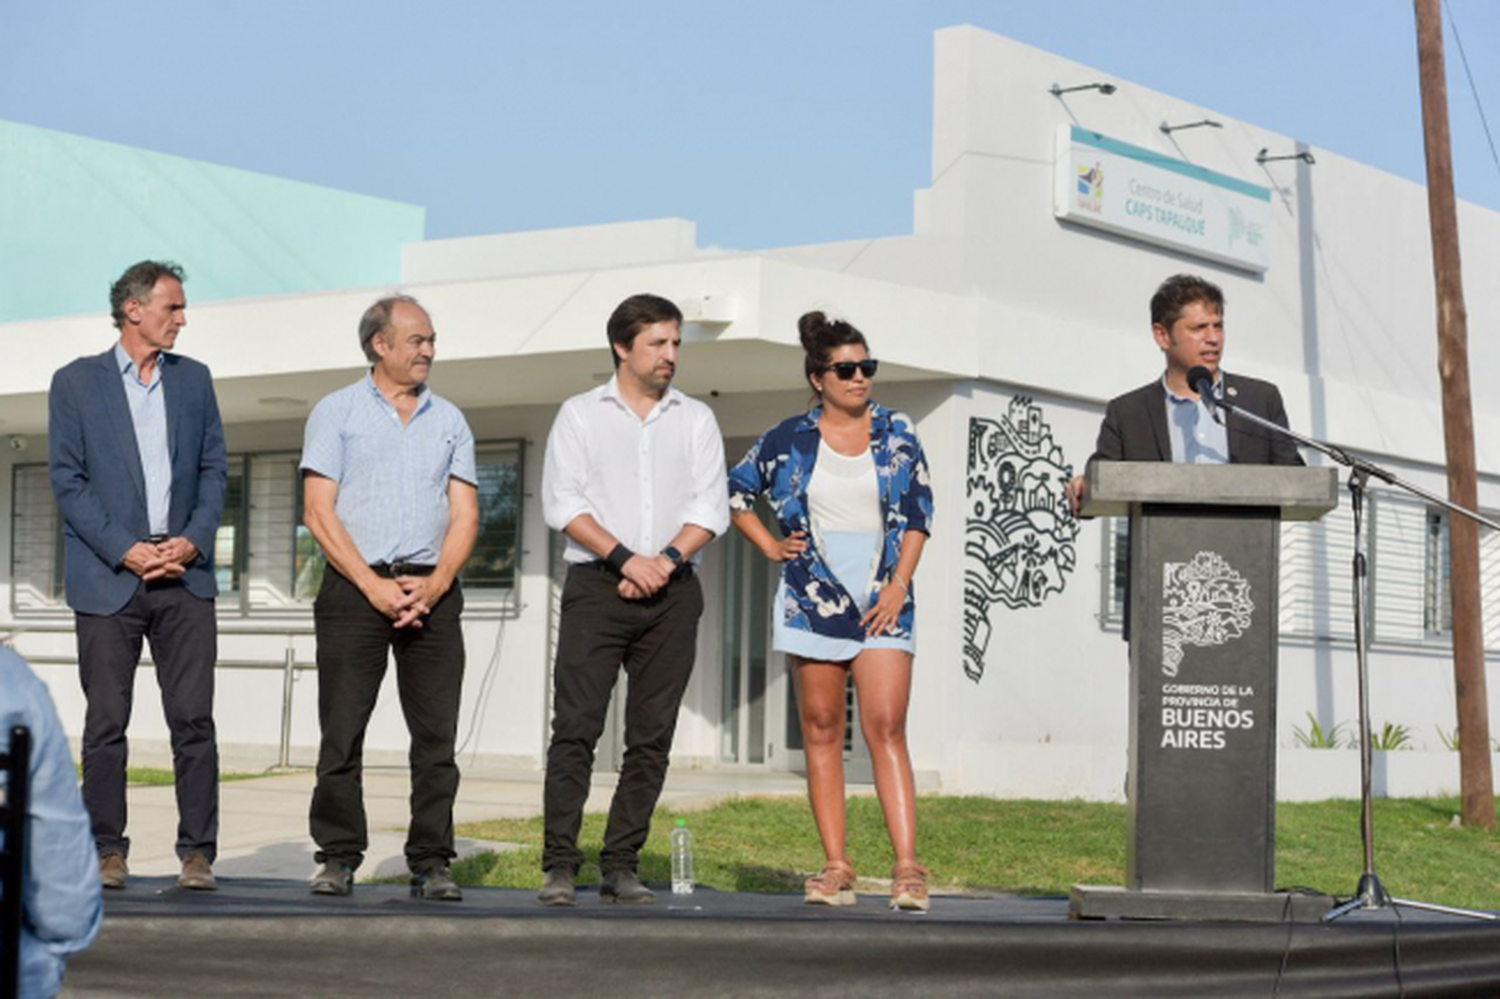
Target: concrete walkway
x=263, y=820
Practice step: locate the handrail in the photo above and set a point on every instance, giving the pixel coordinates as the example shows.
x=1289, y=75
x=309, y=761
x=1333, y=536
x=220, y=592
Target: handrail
x=288, y=665
x=62, y=626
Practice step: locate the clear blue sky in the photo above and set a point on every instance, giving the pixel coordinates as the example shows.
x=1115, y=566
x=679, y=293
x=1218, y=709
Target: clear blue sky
x=769, y=123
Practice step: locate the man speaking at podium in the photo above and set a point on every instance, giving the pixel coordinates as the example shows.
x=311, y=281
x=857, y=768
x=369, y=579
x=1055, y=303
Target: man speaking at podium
x=1165, y=420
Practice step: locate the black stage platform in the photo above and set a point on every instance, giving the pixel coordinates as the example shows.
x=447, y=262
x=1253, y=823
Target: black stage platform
x=271, y=938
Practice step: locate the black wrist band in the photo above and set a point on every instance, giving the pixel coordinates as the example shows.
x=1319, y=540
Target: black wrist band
x=618, y=557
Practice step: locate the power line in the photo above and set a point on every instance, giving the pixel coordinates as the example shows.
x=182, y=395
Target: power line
x=1472, y=89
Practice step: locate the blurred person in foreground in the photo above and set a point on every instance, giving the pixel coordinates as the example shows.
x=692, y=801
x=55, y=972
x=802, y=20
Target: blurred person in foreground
x=61, y=907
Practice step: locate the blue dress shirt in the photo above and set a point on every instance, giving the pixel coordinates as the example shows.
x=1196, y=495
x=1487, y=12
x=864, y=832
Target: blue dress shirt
x=392, y=477
x=1198, y=438
x=148, y=413
x=61, y=902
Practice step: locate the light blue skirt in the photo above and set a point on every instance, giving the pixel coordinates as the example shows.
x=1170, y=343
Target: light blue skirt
x=852, y=557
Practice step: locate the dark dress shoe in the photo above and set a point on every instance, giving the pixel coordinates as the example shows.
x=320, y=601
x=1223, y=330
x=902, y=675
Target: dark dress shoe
x=624, y=886
x=197, y=874
x=113, y=871
x=333, y=878
x=435, y=884
x=558, y=888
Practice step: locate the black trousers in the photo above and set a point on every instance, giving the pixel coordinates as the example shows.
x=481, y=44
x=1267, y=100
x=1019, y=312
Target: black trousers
x=355, y=642
x=184, y=638
x=654, y=640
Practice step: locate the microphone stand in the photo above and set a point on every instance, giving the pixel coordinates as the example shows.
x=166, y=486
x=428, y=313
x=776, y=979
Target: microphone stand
x=1370, y=894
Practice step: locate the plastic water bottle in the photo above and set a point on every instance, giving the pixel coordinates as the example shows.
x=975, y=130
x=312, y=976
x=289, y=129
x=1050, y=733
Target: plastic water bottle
x=682, y=859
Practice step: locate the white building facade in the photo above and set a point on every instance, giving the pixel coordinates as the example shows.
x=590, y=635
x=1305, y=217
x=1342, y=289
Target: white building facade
x=1002, y=329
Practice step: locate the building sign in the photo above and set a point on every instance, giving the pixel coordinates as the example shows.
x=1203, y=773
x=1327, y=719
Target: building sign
x=1145, y=195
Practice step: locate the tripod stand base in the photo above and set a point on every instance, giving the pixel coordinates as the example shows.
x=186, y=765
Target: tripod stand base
x=1371, y=894
x=1106, y=901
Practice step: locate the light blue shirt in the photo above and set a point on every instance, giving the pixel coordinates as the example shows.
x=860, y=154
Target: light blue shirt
x=1198, y=438
x=392, y=478
x=148, y=413
x=61, y=902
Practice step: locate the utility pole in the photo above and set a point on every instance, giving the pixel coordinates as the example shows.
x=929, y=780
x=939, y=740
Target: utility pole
x=1476, y=778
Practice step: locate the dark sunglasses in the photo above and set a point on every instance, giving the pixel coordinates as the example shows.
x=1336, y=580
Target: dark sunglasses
x=845, y=369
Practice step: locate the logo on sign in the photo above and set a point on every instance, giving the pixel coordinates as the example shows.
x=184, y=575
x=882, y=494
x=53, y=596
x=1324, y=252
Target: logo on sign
x=1242, y=229
x=1091, y=188
x=1205, y=603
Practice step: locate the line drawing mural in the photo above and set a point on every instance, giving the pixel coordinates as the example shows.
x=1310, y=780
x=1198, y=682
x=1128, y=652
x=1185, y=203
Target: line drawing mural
x=1205, y=602
x=1018, y=541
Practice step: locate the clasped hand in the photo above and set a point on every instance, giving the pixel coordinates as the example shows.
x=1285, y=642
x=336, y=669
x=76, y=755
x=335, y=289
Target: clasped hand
x=645, y=576
x=168, y=559
x=406, y=599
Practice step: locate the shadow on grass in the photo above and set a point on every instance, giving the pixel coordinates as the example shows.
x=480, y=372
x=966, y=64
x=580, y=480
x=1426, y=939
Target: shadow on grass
x=522, y=869
x=736, y=876
x=758, y=877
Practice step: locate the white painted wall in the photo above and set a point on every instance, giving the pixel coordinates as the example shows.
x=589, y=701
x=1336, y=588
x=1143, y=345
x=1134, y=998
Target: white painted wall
x=987, y=298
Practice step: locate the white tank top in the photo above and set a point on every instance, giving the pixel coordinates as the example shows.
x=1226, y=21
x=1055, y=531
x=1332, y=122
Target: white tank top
x=843, y=494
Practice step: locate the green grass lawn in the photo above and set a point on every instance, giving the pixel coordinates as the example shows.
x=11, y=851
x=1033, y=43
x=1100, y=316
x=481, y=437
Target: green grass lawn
x=1023, y=847
x=161, y=777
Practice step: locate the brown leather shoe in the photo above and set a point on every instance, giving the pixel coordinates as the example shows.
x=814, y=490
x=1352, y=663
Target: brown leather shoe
x=625, y=886
x=333, y=878
x=558, y=888
x=436, y=884
x=112, y=870
x=197, y=875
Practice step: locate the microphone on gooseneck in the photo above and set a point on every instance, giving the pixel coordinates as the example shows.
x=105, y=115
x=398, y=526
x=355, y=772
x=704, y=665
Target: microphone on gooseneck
x=1201, y=380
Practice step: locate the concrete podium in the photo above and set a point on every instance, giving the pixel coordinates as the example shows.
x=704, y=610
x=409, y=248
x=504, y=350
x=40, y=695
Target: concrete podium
x=1201, y=616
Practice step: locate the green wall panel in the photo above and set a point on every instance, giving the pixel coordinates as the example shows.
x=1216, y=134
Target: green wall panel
x=75, y=212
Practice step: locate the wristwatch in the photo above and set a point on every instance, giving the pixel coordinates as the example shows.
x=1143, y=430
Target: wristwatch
x=673, y=555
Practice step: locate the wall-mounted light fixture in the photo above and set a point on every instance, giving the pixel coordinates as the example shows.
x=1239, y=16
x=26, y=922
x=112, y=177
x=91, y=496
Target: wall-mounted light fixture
x=1205, y=123
x=1104, y=88
x=1306, y=157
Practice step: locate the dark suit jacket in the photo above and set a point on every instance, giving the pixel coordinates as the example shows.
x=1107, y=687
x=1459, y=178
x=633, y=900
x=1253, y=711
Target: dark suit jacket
x=1135, y=425
x=96, y=475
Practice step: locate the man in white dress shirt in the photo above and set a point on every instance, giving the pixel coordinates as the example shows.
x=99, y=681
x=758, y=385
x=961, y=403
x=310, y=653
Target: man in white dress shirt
x=635, y=477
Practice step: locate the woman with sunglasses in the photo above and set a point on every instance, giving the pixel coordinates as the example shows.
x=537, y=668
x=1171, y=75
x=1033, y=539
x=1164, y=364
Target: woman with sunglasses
x=849, y=486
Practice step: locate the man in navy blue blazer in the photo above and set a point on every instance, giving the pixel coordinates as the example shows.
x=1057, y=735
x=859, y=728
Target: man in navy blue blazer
x=139, y=468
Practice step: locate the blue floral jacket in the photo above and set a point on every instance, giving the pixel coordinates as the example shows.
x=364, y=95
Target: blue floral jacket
x=780, y=467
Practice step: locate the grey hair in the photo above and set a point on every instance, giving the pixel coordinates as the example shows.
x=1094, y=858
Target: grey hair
x=137, y=284
x=377, y=320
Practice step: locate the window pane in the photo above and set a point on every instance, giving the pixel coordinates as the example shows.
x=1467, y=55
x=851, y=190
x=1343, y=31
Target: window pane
x=308, y=563
x=308, y=560
x=729, y=698
x=1437, y=603
x=496, y=557
x=36, y=541
x=271, y=518
x=1119, y=561
x=231, y=534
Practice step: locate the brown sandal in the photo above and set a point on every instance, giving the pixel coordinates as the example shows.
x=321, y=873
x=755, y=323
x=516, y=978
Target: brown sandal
x=909, y=888
x=833, y=886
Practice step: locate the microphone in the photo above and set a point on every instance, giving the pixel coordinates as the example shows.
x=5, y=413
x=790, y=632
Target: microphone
x=1201, y=380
